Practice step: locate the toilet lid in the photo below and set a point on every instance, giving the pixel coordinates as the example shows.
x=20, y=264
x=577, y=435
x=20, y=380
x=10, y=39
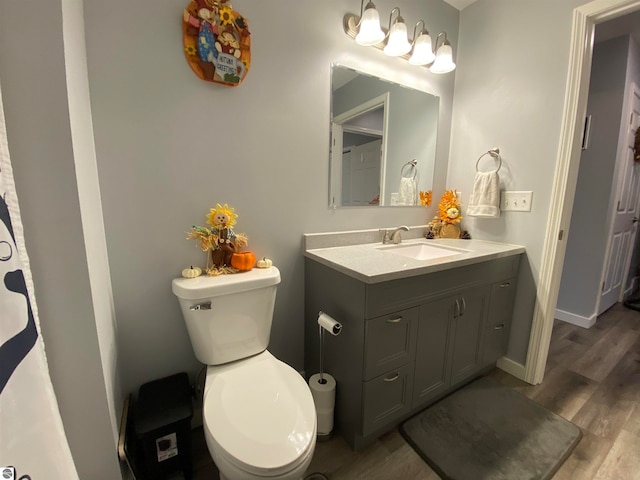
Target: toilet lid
x=261, y=413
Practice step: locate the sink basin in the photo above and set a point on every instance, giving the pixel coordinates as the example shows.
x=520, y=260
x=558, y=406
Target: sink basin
x=422, y=250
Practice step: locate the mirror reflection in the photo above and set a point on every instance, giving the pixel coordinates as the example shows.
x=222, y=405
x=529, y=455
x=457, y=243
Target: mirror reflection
x=383, y=141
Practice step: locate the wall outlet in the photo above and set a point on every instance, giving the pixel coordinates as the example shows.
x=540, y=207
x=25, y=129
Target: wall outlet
x=516, y=201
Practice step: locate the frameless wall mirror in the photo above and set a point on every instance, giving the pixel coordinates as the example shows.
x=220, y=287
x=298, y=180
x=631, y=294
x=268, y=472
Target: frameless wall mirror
x=383, y=141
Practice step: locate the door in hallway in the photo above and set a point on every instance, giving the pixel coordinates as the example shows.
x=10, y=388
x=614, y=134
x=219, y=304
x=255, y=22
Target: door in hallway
x=364, y=174
x=623, y=233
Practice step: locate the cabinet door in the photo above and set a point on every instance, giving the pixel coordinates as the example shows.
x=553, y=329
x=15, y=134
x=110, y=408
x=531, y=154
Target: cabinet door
x=470, y=309
x=432, y=365
x=390, y=342
x=387, y=398
x=499, y=320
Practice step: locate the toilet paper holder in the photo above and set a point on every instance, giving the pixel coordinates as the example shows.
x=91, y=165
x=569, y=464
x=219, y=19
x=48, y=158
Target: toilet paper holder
x=329, y=324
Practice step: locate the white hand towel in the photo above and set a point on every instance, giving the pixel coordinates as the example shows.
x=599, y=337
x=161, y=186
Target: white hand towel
x=407, y=191
x=485, y=197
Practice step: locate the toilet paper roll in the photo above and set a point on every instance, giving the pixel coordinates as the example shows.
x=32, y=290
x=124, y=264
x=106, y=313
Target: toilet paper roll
x=324, y=398
x=329, y=324
x=325, y=422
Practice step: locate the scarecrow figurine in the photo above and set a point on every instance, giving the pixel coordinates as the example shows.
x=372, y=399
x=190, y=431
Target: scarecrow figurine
x=222, y=219
x=220, y=239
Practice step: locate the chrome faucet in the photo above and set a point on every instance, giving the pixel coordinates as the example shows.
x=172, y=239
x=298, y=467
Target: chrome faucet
x=393, y=236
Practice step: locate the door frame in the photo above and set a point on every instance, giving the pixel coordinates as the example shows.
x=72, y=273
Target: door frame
x=566, y=175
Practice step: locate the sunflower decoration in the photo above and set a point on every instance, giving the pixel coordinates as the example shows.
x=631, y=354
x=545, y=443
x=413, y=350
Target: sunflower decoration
x=222, y=243
x=425, y=198
x=226, y=15
x=449, y=207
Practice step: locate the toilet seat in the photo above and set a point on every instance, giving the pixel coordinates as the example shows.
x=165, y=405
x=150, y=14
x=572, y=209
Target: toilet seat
x=260, y=414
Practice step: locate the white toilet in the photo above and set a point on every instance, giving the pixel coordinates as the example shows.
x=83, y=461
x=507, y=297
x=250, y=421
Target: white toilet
x=258, y=413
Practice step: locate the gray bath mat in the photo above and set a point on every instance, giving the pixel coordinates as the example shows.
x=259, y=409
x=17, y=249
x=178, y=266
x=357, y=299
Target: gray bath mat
x=486, y=431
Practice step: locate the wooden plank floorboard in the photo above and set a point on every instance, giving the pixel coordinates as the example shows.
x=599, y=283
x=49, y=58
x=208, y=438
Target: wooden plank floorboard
x=623, y=460
x=565, y=392
x=585, y=460
x=592, y=379
x=598, y=361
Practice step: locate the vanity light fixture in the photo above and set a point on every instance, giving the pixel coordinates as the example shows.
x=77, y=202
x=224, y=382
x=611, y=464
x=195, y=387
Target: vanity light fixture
x=422, y=49
x=397, y=42
x=394, y=40
x=369, y=31
x=444, y=56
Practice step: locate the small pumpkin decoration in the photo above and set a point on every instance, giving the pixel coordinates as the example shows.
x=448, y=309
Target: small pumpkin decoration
x=264, y=262
x=243, y=261
x=192, y=272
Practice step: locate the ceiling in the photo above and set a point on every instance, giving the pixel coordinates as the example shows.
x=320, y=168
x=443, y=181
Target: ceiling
x=460, y=4
x=626, y=25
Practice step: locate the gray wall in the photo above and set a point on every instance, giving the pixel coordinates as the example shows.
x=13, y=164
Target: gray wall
x=588, y=234
x=171, y=146
x=510, y=88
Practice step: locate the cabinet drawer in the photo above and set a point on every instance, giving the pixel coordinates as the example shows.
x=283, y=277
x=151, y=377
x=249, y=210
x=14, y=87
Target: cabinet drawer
x=390, y=342
x=387, y=398
x=499, y=320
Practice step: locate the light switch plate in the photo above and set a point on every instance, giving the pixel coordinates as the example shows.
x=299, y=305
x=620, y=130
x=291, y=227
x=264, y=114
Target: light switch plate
x=516, y=201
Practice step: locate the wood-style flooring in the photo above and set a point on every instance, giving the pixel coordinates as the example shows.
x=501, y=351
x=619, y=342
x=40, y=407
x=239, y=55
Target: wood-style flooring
x=592, y=379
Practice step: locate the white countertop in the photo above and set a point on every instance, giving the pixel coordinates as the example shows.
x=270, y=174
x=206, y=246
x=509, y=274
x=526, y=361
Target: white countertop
x=370, y=263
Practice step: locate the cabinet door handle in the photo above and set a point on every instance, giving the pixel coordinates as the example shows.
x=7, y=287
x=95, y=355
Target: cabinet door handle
x=505, y=284
x=394, y=320
x=456, y=312
x=499, y=327
x=464, y=306
x=392, y=379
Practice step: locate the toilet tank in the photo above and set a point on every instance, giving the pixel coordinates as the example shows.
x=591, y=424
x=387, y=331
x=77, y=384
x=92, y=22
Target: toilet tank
x=228, y=317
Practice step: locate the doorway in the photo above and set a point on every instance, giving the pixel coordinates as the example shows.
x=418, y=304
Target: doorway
x=359, y=153
x=565, y=179
x=602, y=231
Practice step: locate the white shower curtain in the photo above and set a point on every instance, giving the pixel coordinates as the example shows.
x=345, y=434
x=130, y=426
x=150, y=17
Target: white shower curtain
x=33, y=444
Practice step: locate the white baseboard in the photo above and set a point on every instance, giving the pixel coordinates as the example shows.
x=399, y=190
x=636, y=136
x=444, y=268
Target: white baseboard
x=579, y=320
x=511, y=367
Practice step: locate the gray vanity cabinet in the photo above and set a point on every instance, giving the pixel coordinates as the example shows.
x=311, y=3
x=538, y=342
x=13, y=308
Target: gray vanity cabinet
x=405, y=343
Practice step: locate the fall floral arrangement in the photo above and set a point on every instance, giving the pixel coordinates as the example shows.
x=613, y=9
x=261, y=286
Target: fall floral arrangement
x=425, y=198
x=444, y=225
x=222, y=243
x=449, y=207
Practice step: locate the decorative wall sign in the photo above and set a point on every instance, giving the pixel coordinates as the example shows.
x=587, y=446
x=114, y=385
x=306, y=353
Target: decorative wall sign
x=217, y=41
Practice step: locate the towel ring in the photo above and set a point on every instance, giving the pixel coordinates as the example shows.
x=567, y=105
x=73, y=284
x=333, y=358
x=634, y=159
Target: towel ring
x=412, y=166
x=495, y=153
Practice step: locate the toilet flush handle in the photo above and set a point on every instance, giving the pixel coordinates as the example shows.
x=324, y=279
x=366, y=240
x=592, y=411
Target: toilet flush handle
x=201, y=306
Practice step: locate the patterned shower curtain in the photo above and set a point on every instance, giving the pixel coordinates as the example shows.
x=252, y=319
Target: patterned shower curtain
x=33, y=445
